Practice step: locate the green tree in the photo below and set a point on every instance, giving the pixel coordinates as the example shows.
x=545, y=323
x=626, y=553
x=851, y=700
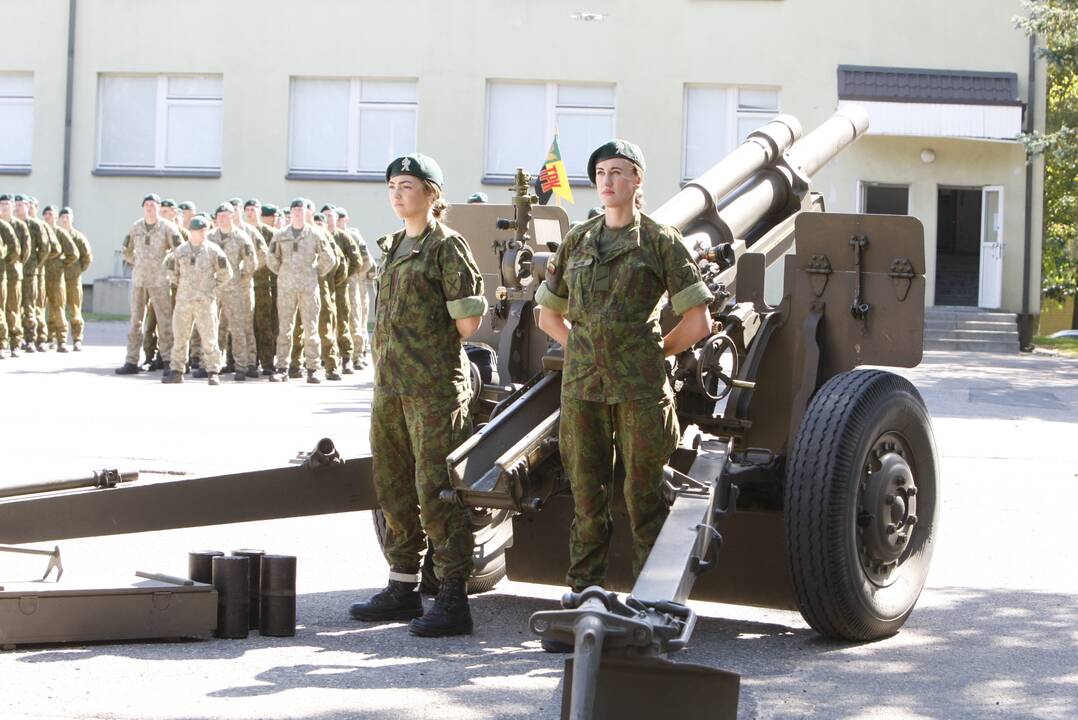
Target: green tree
x=1055, y=23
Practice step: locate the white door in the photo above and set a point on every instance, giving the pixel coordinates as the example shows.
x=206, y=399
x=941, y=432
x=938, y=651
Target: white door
x=991, y=292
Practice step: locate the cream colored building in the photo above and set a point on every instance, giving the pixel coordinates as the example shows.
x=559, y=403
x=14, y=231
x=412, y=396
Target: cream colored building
x=208, y=99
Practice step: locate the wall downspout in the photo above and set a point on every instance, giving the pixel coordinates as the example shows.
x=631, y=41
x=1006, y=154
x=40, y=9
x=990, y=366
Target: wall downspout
x=65, y=190
x=1025, y=321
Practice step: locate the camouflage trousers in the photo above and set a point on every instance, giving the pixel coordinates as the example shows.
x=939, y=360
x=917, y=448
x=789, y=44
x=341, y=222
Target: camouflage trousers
x=55, y=299
x=39, y=308
x=149, y=341
x=359, y=301
x=343, y=327
x=327, y=329
x=265, y=318
x=161, y=298
x=3, y=309
x=410, y=439
x=13, y=308
x=73, y=304
x=644, y=433
x=237, y=323
x=29, y=309
x=306, y=301
x=195, y=315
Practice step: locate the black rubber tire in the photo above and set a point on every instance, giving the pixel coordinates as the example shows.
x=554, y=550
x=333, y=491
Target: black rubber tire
x=824, y=471
x=492, y=536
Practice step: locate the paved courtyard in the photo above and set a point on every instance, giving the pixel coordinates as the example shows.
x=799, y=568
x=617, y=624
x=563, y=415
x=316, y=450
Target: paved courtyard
x=995, y=634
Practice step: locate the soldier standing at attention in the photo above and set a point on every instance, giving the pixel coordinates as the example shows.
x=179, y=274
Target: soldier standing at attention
x=149, y=343
x=144, y=248
x=9, y=247
x=14, y=280
x=55, y=287
x=299, y=256
x=32, y=272
x=265, y=295
x=349, y=258
x=237, y=295
x=198, y=269
x=430, y=299
x=56, y=252
x=73, y=276
x=357, y=291
x=600, y=300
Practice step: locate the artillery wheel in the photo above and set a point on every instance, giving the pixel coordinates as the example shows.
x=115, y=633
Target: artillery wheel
x=493, y=534
x=861, y=505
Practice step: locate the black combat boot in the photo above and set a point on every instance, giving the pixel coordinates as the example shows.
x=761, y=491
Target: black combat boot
x=172, y=377
x=212, y=379
x=166, y=366
x=199, y=372
x=294, y=372
x=77, y=347
x=332, y=375
x=61, y=347
x=346, y=366
x=128, y=369
x=450, y=614
x=241, y=376
x=252, y=371
x=397, y=601
x=156, y=364
x=280, y=376
x=312, y=377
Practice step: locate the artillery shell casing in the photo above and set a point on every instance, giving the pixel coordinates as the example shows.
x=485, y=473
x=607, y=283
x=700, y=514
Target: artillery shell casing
x=278, y=614
x=200, y=565
x=231, y=580
x=255, y=557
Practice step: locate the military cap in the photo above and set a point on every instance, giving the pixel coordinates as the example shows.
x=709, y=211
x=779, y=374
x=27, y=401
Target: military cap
x=417, y=165
x=200, y=222
x=223, y=207
x=152, y=196
x=298, y=202
x=341, y=212
x=616, y=149
x=6, y=197
x=168, y=202
x=595, y=211
x=327, y=208
x=22, y=198
x=31, y=199
x=186, y=205
x=49, y=208
x=253, y=202
x=479, y=197
x=269, y=210
x=236, y=201
x=65, y=210
x=319, y=217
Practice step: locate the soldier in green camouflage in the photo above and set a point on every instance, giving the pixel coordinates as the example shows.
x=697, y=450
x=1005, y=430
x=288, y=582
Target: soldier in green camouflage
x=358, y=283
x=55, y=287
x=32, y=272
x=430, y=300
x=262, y=217
x=55, y=259
x=349, y=254
x=236, y=297
x=601, y=301
x=14, y=278
x=73, y=276
x=198, y=269
x=9, y=248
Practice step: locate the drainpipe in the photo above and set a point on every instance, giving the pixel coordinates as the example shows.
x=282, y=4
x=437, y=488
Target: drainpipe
x=1025, y=322
x=65, y=190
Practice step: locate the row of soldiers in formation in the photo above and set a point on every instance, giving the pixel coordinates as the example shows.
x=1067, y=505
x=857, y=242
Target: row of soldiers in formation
x=270, y=288
x=41, y=265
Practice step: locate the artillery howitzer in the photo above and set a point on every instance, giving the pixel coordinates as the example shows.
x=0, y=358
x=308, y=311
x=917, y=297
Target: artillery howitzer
x=816, y=480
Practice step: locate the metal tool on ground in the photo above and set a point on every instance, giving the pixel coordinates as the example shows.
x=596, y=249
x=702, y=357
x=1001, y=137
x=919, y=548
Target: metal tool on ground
x=54, y=558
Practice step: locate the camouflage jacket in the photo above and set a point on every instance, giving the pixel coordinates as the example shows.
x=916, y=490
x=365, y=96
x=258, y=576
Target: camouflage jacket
x=86, y=254
x=417, y=349
x=69, y=252
x=615, y=351
x=40, y=246
x=10, y=247
x=348, y=246
x=241, y=255
x=265, y=237
x=366, y=261
x=197, y=272
x=145, y=248
x=22, y=232
x=300, y=261
x=338, y=277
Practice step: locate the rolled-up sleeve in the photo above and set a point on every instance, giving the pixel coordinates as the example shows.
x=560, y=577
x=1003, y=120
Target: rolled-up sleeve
x=553, y=292
x=462, y=283
x=681, y=274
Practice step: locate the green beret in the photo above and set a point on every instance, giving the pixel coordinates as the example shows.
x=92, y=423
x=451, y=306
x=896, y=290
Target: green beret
x=22, y=198
x=152, y=196
x=479, y=197
x=6, y=197
x=416, y=165
x=298, y=202
x=168, y=202
x=186, y=205
x=341, y=212
x=595, y=211
x=223, y=207
x=616, y=149
x=31, y=199
x=49, y=208
x=200, y=222
x=326, y=208
x=319, y=217
x=65, y=210
x=269, y=210
x=253, y=202
x=236, y=201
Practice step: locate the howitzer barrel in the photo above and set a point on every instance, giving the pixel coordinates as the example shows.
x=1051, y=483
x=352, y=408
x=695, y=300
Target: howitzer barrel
x=103, y=478
x=762, y=148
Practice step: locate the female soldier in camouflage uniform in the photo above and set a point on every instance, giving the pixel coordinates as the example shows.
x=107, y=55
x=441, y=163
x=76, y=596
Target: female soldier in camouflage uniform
x=430, y=298
x=600, y=300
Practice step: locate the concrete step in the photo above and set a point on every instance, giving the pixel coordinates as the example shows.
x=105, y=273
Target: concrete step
x=972, y=346
x=970, y=329
x=943, y=324
x=999, y=336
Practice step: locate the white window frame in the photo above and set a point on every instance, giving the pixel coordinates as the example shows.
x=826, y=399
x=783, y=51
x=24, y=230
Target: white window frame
x=863, y=188
x=16, y=100
x=161, y=105
x=734, y=113
x=355, y=109
x=550, y=121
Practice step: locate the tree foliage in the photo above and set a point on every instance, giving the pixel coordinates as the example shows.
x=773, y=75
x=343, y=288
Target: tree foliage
x=1055, y=23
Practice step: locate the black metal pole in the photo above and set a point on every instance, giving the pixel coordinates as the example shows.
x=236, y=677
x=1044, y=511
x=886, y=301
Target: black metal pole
x=71, y=11
x=1025, y=327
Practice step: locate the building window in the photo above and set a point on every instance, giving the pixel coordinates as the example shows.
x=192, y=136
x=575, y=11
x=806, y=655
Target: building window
x=882, y=199
x=718, y=119
x=350, y=127
x=160, y=124
x=522, y=119
x=16, y=122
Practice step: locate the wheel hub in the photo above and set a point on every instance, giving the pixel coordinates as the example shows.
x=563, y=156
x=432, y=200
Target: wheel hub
x=887, y=509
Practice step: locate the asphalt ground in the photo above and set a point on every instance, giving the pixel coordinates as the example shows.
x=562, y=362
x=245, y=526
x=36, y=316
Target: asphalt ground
x=995, y=634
